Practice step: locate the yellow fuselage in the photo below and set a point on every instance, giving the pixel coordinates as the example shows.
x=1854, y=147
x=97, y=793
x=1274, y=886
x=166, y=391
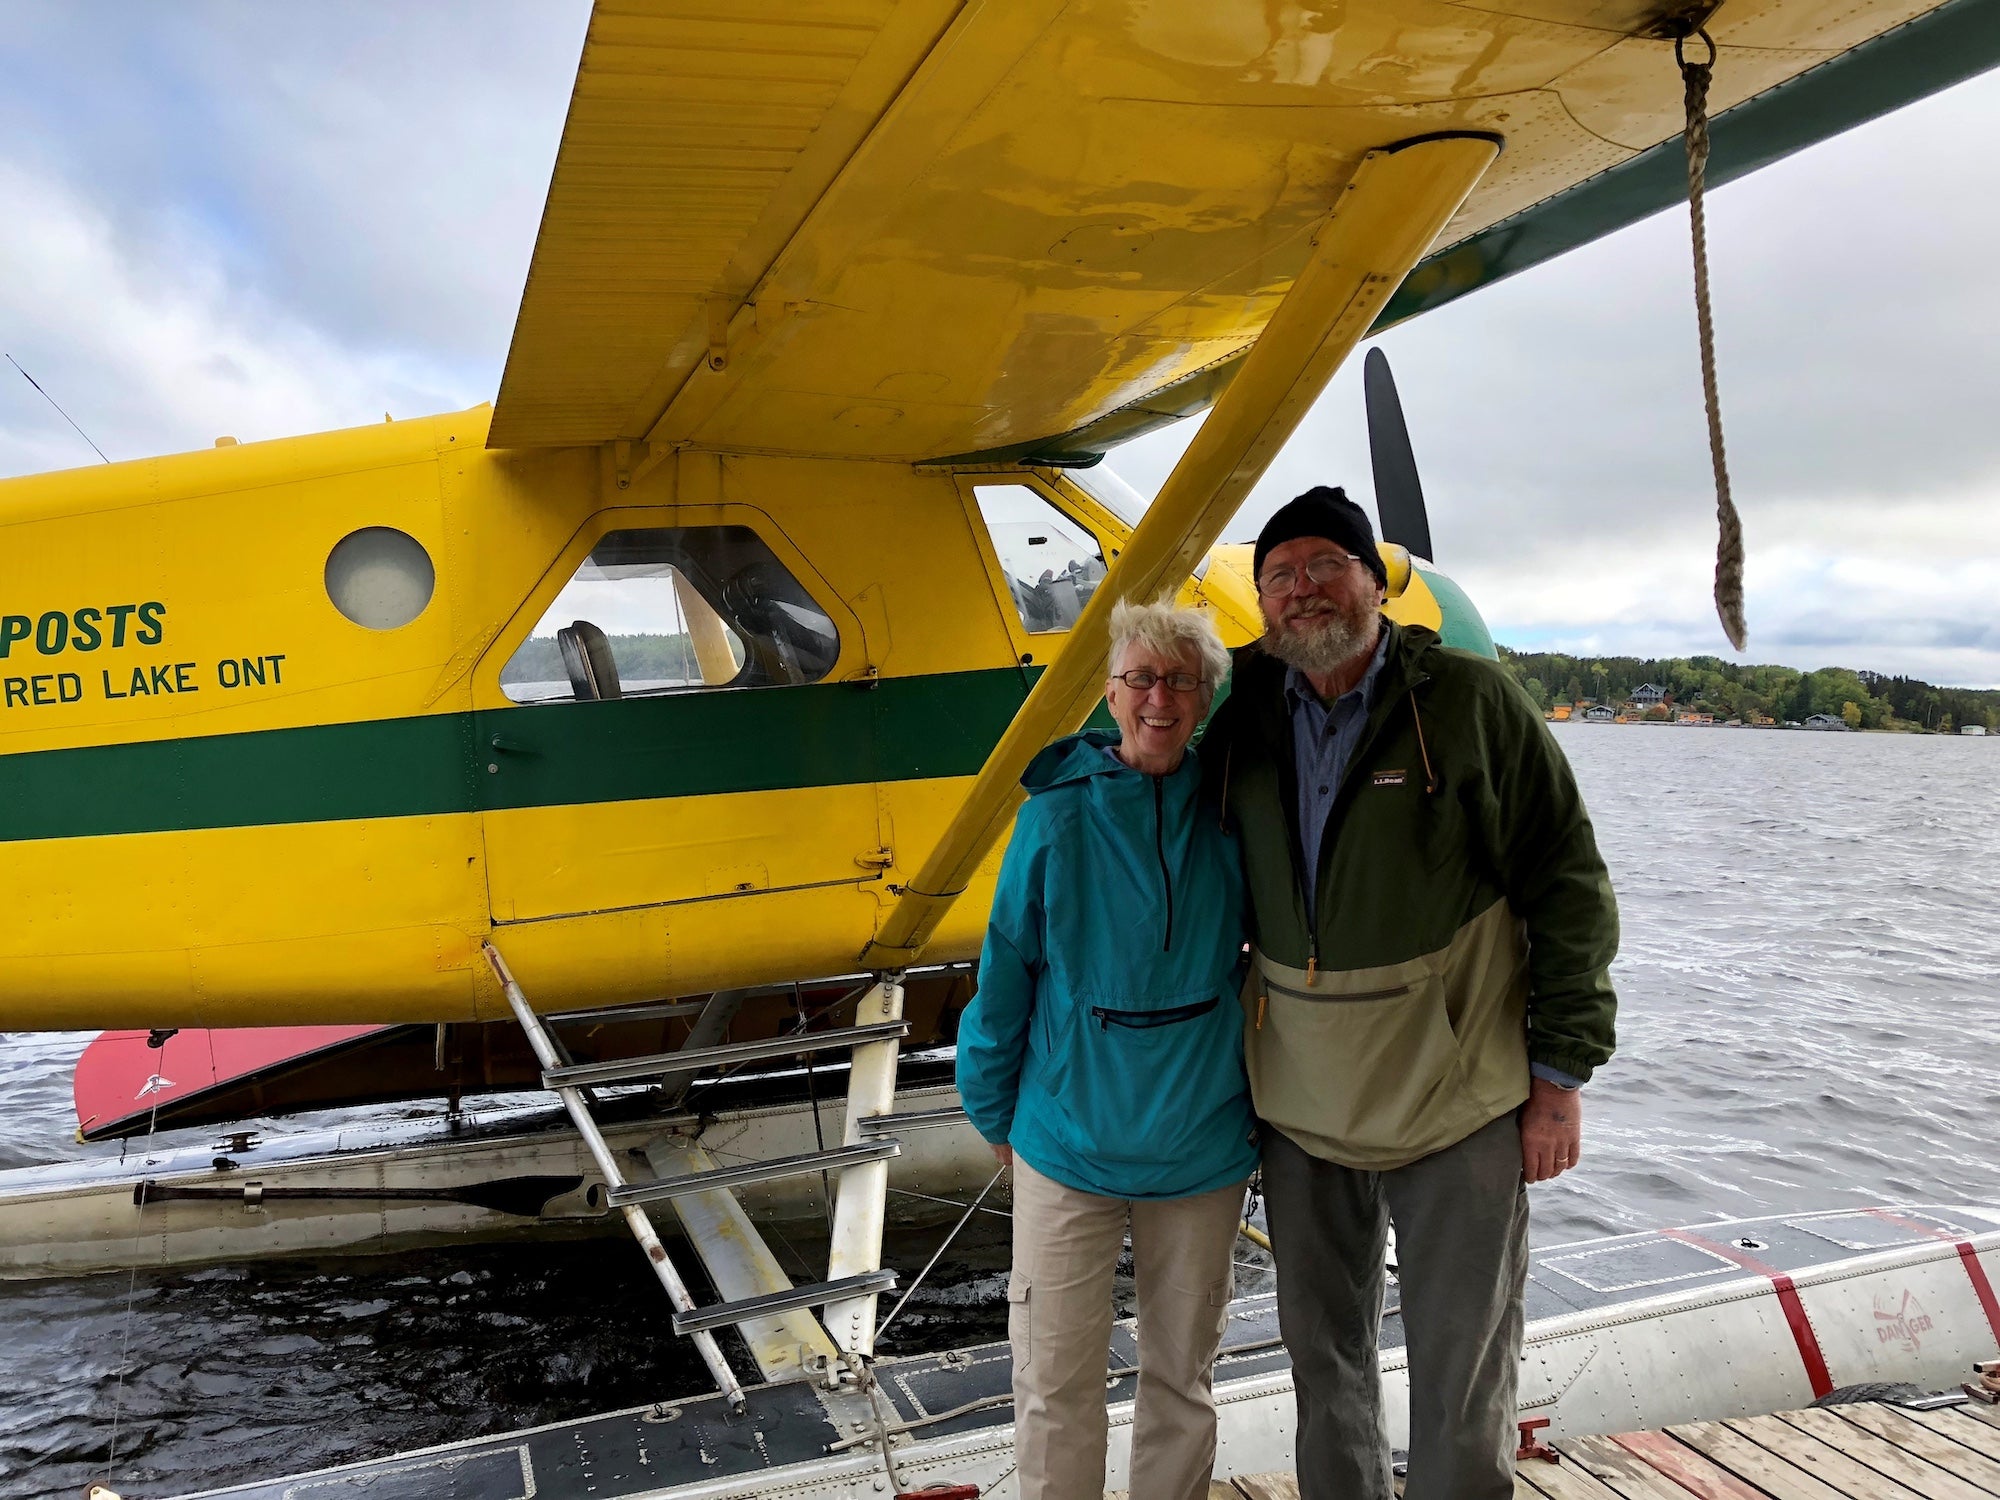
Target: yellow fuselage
x=224, y=804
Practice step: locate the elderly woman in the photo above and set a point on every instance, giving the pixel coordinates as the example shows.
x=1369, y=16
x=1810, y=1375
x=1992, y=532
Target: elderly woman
x=1103, y=1058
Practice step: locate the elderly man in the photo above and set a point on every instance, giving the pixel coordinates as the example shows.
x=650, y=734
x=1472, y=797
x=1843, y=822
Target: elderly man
x=1433, y=931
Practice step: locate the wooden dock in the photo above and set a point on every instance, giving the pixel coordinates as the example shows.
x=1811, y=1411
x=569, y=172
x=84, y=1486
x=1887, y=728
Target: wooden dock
x=1868, y=1452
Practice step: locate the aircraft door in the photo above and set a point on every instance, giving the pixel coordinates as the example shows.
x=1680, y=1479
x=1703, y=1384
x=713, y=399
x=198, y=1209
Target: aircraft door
x=679, y=733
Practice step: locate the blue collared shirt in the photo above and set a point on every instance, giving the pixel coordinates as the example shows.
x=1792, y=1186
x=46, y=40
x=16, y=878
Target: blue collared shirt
x=1323, y=740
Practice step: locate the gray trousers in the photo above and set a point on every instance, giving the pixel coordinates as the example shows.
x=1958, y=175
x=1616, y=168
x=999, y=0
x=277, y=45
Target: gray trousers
x=1461, y=1217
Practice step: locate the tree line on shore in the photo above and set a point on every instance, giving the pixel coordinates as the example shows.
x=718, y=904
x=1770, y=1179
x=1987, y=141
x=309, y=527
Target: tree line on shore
x=1708, y=684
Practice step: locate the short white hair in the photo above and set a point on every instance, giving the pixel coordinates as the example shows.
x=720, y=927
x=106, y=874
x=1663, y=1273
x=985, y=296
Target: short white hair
x=1173, y=633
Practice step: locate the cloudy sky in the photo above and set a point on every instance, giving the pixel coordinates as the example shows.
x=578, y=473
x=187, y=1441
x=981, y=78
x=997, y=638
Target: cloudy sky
x=261, y=220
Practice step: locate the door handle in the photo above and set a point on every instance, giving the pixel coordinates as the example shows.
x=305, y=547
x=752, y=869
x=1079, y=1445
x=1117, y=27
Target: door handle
x=510, y=747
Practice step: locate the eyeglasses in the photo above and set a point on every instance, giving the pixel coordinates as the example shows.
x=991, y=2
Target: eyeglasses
x=1321, y=570
x=1139, y=680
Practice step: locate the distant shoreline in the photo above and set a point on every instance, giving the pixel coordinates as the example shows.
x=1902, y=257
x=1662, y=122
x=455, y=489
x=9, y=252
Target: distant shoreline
x=1899, y=731
x=1658, y=690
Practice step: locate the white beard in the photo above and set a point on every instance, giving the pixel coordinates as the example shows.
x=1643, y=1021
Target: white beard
x=1334, y=641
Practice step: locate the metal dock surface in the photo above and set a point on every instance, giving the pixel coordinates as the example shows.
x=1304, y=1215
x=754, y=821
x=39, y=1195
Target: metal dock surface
x=1685, y=1332
x=1865, y=1452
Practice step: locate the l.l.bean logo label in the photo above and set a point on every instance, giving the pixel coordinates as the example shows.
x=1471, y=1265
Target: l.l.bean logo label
x=53, y=658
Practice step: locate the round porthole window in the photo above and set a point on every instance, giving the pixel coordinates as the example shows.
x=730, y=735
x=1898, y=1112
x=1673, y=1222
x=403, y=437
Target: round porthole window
x=380, y=577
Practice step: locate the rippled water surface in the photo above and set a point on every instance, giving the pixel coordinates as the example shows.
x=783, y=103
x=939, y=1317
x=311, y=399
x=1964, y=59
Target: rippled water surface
x=1810, y=983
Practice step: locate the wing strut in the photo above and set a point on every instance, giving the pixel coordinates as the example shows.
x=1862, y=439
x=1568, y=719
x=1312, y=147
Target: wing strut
x=1382, y=223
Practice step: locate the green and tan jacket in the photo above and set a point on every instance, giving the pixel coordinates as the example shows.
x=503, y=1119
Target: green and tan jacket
x=1465, y=921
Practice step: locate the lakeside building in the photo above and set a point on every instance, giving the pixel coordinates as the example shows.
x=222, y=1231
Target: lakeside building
x=1825, y=721
x=1648, y=695
x=1976, y=730
x=1598, y=713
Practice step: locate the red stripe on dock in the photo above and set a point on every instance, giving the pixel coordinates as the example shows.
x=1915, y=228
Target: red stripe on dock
x=1968, y=1256
x=1685, y=1467
x=1788, y=1299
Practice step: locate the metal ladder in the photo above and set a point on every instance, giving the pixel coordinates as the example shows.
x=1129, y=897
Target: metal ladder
x=773, y=1316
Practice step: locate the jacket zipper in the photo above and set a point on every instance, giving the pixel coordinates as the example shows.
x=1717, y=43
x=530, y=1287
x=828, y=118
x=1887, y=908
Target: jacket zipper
x=1160, y=849
x=1362, y=745
x=1264, y=996
x=1146, y=1020
x=1353, y=996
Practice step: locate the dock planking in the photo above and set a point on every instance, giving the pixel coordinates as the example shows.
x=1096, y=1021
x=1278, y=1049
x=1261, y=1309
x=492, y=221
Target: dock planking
x=1868, y=1451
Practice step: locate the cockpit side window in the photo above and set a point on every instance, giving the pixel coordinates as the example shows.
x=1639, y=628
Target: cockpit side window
x=670, y=610
x=1052, y=564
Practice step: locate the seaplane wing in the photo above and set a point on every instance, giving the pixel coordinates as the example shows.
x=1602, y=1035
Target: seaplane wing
x=923, y=229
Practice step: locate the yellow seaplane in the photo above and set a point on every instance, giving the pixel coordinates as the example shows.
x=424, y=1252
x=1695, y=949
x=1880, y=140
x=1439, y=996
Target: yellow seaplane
x=698, y=670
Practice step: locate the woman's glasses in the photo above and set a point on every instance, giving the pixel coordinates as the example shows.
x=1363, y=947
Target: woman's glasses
x=1139, y=680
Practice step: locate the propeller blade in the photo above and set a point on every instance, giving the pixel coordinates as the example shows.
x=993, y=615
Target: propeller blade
x=1399, y=495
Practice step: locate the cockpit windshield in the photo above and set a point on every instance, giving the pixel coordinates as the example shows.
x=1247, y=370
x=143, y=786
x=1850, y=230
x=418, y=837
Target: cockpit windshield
x=1112, y=492
x=1118, y=497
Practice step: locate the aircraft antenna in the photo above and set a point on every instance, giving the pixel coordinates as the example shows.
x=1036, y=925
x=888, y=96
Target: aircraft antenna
x=53, y=402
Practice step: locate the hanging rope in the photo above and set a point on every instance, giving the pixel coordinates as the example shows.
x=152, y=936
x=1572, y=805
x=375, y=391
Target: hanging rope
x=1729, y=539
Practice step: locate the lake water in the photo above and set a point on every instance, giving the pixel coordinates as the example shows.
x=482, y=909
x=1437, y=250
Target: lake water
x=1810, y=987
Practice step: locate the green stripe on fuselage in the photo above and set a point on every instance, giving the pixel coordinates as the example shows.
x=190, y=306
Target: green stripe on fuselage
x=689, y=744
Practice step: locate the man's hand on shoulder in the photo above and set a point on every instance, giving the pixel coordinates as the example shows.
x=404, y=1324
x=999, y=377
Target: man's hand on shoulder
x=1551, y=1130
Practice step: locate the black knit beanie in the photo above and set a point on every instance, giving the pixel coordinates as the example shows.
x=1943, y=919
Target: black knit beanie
x=1324, y=510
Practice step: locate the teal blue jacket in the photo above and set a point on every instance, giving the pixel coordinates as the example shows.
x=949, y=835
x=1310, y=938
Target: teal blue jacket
x=1105, y=1044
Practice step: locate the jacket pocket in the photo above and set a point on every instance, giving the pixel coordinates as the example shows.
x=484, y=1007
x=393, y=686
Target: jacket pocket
x=1329, y=997
x=1149, y=1087
x=1145, y=1020
x=1373, y=1073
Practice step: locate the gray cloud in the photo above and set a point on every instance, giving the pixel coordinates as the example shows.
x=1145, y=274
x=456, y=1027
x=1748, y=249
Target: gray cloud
x=1824, y=629
x=380, y=165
